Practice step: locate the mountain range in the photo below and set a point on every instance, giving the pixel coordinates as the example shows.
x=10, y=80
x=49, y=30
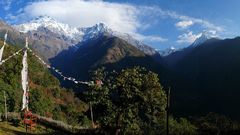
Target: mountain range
x=51, y=32
x=203, y=76
x=208, y=78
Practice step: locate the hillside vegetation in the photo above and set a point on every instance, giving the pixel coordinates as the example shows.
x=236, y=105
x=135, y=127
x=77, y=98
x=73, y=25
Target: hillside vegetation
x=47, y=98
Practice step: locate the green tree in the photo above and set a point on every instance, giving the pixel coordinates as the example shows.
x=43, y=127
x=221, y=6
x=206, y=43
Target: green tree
x=40, y=103
x=140, y=100
x=130, y=101
x=182, y=127
x=216, y=124
x=96, y=93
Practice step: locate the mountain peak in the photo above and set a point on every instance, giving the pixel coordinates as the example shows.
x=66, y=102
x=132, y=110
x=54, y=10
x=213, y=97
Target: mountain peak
x=44, y=18
x=51, y=24
x=98, y=28
x=172, y=48
x=168, y=51
x=101, y=26
x=80, y=34
x=95, y=31
x=201, y=39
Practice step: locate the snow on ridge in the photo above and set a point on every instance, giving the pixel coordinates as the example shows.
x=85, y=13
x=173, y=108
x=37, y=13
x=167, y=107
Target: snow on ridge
x=201, y=39
x=80, y=34
x=51, y=24
x=168, y=51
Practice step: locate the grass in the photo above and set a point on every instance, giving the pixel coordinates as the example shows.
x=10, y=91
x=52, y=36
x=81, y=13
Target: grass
x=8, y=128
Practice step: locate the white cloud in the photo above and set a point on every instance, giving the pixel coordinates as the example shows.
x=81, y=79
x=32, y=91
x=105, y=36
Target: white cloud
x=211, y=29
x=10, y=16
x=188, y=37
x=184, y=24
x=212, y=32
x=156, y=38
x=82, y=13
x=183, y=18
x=152, y=38
x=121, y=17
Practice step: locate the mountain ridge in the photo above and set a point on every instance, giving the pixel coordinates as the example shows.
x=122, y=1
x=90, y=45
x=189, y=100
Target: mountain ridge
x=78, y=34
x=99, y=52
x=207, y=78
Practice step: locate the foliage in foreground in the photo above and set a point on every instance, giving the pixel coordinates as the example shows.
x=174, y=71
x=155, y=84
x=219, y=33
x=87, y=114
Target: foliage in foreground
x=215, y=124
x=132, y=102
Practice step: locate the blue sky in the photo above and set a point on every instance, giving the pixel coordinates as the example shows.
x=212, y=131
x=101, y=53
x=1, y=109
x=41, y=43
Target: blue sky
x=159, y=23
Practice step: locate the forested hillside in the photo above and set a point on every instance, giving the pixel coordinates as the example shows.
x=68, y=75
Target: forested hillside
x=47, y=98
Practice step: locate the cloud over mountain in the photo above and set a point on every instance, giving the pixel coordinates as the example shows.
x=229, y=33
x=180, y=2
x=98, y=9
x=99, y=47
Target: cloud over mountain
x=188, y=37
x=120, y=17
x=148, y=23
x=81, y=13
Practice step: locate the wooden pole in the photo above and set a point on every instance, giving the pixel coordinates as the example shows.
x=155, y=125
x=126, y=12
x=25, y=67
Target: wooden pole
x=5, y=106
x=167, y=109
x=90, y=105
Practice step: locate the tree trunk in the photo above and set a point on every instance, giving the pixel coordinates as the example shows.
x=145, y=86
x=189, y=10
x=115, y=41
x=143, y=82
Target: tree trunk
x=118, y=129
x=90, y=105
x=167, y=109
x=5, y=106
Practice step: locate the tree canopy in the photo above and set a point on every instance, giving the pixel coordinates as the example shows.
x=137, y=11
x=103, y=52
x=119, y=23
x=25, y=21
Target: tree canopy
x=131, y=102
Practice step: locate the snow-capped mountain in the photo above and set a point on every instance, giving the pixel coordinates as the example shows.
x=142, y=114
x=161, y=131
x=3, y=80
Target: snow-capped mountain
x=52, y=25
x=139, y=44
x=73, y=36
x=95, y=31
x=167, y=51
x=204, y=37
x=200, y=40
x=100, y=29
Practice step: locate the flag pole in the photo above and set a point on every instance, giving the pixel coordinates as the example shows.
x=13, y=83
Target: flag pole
x=5, y=105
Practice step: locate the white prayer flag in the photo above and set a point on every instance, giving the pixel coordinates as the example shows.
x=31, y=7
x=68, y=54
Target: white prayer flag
x=4, y=43
x=1, y=52
x=5, y=37
x=24, y=73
